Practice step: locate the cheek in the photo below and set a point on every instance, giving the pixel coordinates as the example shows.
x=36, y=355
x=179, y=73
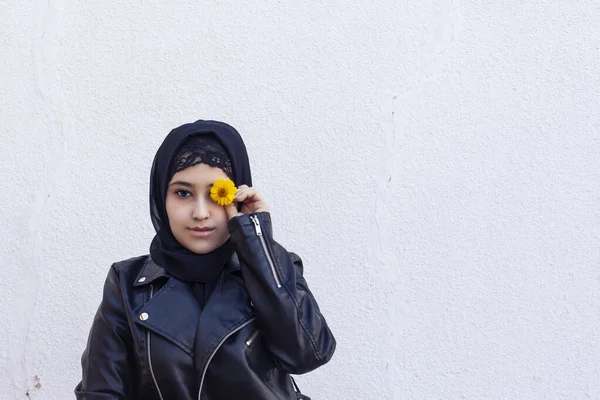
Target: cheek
x=175, y=213
x=219, y=214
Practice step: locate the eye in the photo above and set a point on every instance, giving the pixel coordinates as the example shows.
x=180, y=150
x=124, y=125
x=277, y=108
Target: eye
x=183, y=193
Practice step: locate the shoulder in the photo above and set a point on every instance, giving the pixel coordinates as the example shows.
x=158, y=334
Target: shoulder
x=120, y=278
x=136, y=272
x=127, y=270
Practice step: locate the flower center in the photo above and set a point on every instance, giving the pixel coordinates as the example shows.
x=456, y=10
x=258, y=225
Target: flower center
x=222, y=192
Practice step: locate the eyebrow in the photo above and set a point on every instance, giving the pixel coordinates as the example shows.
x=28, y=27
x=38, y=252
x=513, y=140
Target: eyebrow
x=182, y=183
x=186, y=184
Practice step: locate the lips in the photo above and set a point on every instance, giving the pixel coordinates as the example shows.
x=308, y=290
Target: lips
x=201, y=231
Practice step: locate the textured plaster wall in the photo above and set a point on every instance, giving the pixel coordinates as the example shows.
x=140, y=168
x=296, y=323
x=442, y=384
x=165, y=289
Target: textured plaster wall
x=435, y=163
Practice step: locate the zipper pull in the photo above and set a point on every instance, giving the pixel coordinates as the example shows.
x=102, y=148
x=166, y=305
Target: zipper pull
x=254, y=219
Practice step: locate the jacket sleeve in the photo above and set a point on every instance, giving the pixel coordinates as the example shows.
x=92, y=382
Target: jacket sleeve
x=287, y=314
x=107, y=360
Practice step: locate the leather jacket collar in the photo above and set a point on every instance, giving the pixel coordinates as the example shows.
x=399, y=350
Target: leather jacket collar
x=181, y=328
x=152, y=271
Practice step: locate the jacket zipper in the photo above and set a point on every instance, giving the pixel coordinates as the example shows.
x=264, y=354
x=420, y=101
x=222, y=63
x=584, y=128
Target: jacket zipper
x=215, y=351
x=254, y=219
x=149, y=358
x=251, y=339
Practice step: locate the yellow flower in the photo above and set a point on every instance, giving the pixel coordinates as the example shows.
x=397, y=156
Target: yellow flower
x=223, y=192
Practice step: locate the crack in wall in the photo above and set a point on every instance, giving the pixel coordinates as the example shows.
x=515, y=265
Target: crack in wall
x=388, y=155
x=401, y=105
x=47, y=92
x=389, y=159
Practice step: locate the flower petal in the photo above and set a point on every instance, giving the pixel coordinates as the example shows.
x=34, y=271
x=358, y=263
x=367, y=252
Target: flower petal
x=223, y=191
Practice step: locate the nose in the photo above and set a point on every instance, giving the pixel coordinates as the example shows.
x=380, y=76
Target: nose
x=200, y=210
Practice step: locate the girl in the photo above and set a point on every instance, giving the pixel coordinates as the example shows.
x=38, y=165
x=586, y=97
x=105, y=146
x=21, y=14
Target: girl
x=218, y=310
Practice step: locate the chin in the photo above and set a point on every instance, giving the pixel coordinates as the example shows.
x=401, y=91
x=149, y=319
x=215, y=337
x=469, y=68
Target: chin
x=203, y=247
x=201, y=250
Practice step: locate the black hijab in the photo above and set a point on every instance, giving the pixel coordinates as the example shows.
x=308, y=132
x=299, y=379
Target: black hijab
x=165, y=250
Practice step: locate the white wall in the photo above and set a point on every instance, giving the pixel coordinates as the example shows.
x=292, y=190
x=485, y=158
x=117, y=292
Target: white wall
x=435, y=163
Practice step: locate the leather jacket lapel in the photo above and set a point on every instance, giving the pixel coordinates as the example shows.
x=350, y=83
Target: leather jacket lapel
x=173, y=312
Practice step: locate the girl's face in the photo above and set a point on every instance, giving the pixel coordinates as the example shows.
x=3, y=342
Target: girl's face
x=197, y=222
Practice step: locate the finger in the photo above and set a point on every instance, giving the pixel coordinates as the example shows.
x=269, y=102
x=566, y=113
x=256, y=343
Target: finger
x=243, y=188
x=231, y=210
x=242, y=195
x=253, y=207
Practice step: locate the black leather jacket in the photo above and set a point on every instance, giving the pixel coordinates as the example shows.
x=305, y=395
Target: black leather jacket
x=260, y=324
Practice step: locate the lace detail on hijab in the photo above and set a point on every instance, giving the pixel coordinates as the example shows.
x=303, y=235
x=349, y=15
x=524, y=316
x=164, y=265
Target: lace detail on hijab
x=202, y=150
